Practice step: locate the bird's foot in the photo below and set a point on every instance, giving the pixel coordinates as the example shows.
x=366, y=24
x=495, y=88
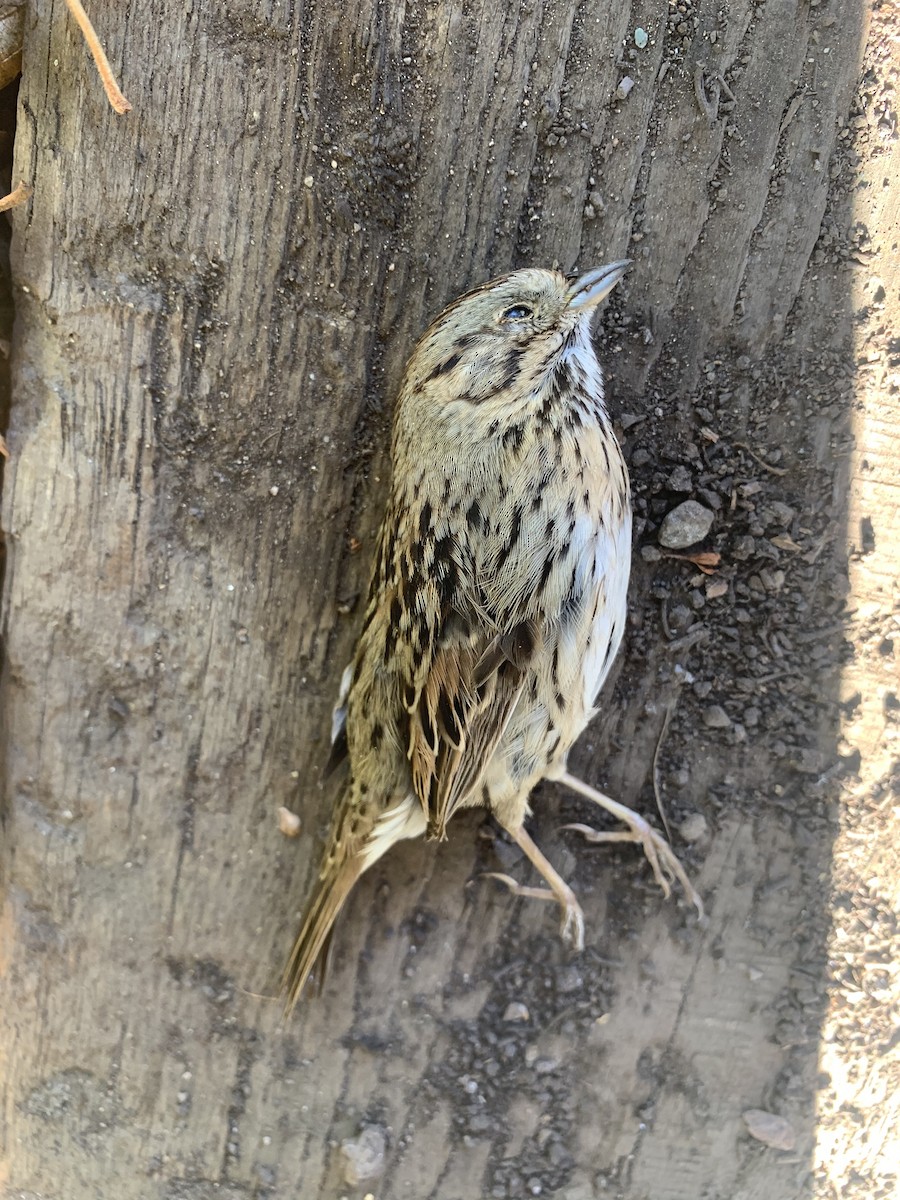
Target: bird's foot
x=663, y=861
x=572, y=926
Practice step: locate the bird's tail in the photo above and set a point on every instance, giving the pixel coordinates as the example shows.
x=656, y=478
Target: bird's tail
x=310, y=950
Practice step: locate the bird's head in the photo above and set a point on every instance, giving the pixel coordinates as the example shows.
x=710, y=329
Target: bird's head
x=507, y=330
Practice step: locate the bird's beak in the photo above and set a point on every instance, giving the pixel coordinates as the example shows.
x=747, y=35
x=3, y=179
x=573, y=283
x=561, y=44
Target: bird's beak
x=594, y=286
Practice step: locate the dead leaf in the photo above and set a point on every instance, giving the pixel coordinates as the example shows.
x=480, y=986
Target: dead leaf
x=784, y=541
x=706, y=560
x=770, y=1129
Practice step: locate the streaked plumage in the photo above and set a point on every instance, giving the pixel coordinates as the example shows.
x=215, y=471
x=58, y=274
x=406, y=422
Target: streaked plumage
x=498, y=595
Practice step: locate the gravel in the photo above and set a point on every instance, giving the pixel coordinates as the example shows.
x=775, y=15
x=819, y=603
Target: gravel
x=685, y=525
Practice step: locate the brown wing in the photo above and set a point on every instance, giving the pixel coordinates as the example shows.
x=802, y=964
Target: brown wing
x=459, y=716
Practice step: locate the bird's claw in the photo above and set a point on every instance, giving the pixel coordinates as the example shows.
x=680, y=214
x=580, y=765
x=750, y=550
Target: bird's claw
x=572, y=927
x=664, y=863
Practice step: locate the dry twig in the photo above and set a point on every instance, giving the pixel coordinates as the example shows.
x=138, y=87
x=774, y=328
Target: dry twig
x=657, y=792
x=762, y=462
x=113, y=93
x=17, y=196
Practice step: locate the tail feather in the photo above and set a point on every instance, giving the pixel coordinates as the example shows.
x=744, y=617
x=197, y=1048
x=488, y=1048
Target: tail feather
x=403, y=820
x=310, y=950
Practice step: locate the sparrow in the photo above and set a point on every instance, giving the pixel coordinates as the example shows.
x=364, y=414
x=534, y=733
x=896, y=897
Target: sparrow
x=498, y=594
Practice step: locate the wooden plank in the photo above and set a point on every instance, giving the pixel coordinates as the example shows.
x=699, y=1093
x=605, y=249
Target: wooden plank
x=214, y=298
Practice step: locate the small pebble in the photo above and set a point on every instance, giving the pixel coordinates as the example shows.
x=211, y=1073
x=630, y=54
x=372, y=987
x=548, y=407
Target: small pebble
x=545, y=1066
x=685, y=525
x=569, y=979
x=694, y=828
x=679, y=618
x=772, y=581
x=641, y=38
x=769, y=1128
x=364, y=1155
x=743, y=548
x=710, y=498
x=288, y=822
x=781, y=514
x=680, y=479
x=516, y=1012
x=715, y=717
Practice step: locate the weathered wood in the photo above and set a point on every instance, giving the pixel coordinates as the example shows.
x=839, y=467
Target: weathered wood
x=215, y=297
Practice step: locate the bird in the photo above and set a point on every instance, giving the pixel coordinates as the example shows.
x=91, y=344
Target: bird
x=498, y=595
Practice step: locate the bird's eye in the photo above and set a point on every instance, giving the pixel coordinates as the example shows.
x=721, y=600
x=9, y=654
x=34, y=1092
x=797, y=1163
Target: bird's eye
x=518, y=312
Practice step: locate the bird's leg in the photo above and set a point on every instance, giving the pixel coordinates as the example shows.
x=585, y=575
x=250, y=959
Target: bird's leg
x=660, y=854
x=573, y=918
